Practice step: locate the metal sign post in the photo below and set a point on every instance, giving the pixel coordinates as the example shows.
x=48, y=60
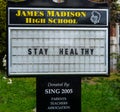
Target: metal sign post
x=57, y=46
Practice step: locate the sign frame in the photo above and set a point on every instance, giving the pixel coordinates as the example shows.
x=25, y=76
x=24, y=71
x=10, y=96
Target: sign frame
x=63, y=73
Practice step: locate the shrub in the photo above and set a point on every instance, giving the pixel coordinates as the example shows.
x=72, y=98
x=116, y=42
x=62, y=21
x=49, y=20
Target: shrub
x=117, y=57
x=2, y=31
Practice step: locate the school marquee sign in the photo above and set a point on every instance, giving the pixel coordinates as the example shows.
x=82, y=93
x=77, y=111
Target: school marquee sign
x=50, y=41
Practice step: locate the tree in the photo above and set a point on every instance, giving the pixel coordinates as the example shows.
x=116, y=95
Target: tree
x=114, y=10
x=2, y=31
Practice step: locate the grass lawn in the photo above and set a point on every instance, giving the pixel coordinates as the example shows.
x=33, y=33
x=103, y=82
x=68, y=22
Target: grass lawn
x=20, y=96
x=102, y=95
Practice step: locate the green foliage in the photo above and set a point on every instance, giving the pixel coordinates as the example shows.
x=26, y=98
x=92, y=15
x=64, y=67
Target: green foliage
x=2, y=43
x=100, y=97
x=114, y=10
x=2, y=31
x=18, y=96
x=115, y=84
x=117, y=57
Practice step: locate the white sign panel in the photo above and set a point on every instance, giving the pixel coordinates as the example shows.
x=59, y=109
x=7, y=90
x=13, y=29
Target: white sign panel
x=41, y=51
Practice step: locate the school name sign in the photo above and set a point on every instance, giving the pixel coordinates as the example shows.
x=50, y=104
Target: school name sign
x=59, y=16
x=54, y=50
